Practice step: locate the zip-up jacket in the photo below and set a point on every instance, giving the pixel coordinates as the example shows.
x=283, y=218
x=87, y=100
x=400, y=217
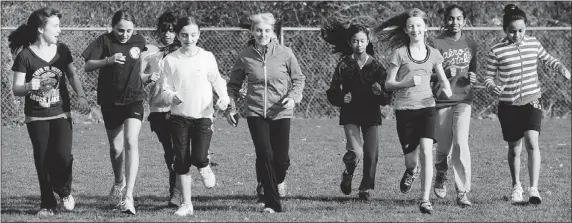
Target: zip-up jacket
x=516, y=65
x=270, y=78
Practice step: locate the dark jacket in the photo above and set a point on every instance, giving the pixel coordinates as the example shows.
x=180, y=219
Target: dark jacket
x=364, y=108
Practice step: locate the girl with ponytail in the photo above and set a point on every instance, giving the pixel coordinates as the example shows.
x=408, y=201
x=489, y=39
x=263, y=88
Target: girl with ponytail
x=409, y=74
x=357, y=87
x=514, y=60
x=41, y=67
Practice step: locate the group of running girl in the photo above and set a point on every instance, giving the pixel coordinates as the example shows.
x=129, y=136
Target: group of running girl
x=430, y=84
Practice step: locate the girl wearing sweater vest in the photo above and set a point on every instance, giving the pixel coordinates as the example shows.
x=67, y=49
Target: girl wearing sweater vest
x=514, y=60
x=454, y=113
x=409, y=76
x=357, y=88
x=189, y=76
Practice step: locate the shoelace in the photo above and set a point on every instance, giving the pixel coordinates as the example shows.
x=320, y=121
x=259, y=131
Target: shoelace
x=409, y=179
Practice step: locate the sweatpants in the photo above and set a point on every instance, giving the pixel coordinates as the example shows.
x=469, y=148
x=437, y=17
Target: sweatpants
x=271, y=140
x=52, y=144
x=355, y=152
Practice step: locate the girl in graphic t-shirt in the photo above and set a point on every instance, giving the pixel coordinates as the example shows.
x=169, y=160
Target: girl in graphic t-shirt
x=454, y=113
x=40, y=70
x=120, y=93
x=409, y=76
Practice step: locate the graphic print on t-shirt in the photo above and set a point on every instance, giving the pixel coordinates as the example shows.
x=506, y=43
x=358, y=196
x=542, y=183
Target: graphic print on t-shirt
x=457, y=62
x=48, y=93
x=134, y=52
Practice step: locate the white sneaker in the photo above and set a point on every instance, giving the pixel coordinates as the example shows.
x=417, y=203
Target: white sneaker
x=185, y=210
x=127, y=206
x=68, y=203
x=116, y=193
x=534, y=196
x=516, y=195
x=208, y=176
x=282, y=189
x=268, y=210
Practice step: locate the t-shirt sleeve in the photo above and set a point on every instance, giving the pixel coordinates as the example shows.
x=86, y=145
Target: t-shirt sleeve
x=95, y=50
x=66, y=53
x=438, y=57
x=396, y=59
x=20, y=64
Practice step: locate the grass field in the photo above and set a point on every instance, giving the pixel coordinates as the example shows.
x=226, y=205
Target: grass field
x=316, y=150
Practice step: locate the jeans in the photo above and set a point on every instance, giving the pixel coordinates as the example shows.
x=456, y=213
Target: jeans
x=369, y=152
x=191, y=142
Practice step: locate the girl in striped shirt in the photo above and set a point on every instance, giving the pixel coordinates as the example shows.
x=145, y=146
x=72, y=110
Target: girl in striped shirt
x=514, y=59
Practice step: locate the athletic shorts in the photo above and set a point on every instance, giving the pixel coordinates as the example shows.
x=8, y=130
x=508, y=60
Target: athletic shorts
x=412, y=125
x=115, y=115
x=517, y=119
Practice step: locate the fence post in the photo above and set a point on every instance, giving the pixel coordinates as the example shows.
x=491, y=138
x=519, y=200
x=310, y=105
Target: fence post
x=282, y=37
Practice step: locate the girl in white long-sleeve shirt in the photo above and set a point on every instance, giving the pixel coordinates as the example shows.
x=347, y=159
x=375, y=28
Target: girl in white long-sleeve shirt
x=189, y=76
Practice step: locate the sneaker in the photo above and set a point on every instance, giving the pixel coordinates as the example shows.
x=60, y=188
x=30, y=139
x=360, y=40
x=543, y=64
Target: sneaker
x=282, y=189
x=516, y=195
x=364, y=195
x=208, y=176
x=127, y=206
x=185, y=210
x=175, y=198
x=407, y=180
x=346, y=185
x=462, y=199
x=439, y=188
x=45, y=212
x=534, y=196
x=425, y=206
x=68, y=203
x=268, y=210
x=116, y=193
x=260, y=194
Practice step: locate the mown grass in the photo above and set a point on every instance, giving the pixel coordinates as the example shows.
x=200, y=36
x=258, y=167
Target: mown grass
x=317, y=147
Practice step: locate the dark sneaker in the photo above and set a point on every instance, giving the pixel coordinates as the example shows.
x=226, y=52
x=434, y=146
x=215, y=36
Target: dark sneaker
x=260, y=194
x=346, y=185
x=407, y=180
x=439, y=188
x=425, y=207
x=534, y=196
x=364, y=195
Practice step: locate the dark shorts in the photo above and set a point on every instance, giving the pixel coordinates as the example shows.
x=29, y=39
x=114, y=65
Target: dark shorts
x=412, y=125
x=515, y=120
x=115, y=115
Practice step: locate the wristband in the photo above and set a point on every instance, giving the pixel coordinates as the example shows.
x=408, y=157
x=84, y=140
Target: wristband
x=106, y=60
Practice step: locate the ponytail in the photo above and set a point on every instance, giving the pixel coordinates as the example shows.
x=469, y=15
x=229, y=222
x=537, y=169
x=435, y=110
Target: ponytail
x=21, y=38
x=512, y=13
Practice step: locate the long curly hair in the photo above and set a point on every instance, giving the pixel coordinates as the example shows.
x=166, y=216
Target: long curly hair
x=334, y=32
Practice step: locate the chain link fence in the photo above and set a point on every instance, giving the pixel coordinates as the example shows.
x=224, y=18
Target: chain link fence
x=317, y=62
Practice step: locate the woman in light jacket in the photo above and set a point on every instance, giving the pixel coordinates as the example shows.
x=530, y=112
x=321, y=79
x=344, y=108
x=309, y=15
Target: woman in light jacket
x=275, y=84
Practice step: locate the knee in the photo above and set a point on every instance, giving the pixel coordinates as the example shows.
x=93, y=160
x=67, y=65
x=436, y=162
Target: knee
x=514, y=150
x=131, y=143
x=180, y=167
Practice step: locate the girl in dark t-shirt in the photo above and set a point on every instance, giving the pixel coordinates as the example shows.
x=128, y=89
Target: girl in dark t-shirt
x=40, y=70
x=120, y=93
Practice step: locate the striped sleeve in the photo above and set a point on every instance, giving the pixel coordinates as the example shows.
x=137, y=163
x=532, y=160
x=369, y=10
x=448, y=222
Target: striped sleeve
x=548, y=59
x=492, y=68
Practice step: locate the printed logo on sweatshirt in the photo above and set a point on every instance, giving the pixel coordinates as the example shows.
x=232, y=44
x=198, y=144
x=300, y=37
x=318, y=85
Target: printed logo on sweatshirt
x=49, y=93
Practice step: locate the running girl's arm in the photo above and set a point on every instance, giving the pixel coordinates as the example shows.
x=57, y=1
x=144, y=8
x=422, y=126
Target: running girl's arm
x=392, y=84
x=145, y=65
x=19, y=86
x=334, y=93
x=491, y=71
x=442, y=77
x=217, y=82
x=74, y=81
x=237, y=76
x=298, y=79
x=167, y=90
x=552, y=62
